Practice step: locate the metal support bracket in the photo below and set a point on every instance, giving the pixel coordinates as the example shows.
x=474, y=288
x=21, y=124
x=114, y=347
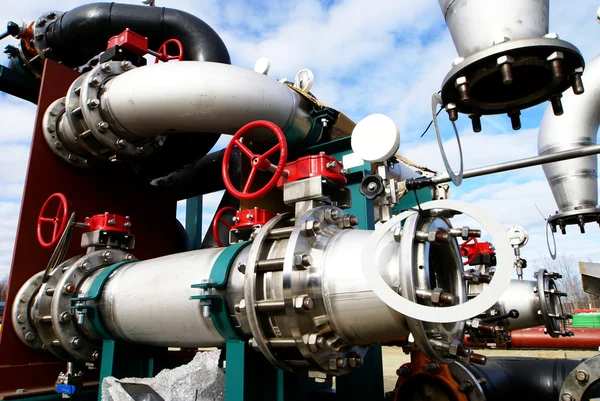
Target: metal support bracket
x=93, y=295
x=218, y=279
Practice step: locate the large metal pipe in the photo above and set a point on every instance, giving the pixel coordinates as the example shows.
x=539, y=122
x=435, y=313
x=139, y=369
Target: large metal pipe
x=476, y=24
x=522, y=295
x=574, y=183
x=168, y=98
x=583, y=338
x=81, y=33
x=504, y=378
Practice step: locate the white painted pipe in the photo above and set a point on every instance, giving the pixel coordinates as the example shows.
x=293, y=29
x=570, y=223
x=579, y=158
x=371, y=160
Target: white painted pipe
x=201, y=97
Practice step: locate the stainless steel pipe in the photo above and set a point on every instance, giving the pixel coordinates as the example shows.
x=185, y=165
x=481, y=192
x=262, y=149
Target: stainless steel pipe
x=201, y=97
x=476, y=24
x=574, y=183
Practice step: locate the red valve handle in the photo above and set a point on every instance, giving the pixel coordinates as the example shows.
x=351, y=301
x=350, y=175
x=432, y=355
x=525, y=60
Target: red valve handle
x=464, y=249
x=59, y=220
x=219, y=219
x=164, y=54
x=257, y=162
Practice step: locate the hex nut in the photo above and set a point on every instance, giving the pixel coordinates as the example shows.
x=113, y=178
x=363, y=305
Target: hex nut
x=302, y=261
x=397, y=234
x=453, y=347
x=312, y=228
x=504, y=60
x=551, y=35
x=315, y=342
x=435, y=295
x=303, y=303
x=555, y=56
x=29, y=336
x=475, y=323
x=460, y=81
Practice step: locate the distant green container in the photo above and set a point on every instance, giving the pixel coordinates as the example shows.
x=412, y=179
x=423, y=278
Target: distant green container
x=586, y=320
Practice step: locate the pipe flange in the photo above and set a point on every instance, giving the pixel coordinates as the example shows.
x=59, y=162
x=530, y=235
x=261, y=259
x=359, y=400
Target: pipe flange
x=24, y=328
x=424, y=267
x=82, y=136
x=585, y=375
x=481, y=303
x=40, y=27
x=91, y=90
x=311, y=328
x=551, y=308
x=253, y=281
x=577, y=217
x=475, y=84
x=461, y=374
x=66, y=327
x=40, y=311
x=56, y=142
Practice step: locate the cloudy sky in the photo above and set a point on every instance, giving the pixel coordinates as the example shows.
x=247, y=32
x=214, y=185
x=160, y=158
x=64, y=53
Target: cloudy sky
x=368, y=56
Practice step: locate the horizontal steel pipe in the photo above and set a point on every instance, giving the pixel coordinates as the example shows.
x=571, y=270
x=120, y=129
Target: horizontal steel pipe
x=583, y=338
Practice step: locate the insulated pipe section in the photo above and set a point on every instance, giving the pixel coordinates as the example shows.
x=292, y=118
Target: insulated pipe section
x=168, y=98
x=82, y=33
x=476, y=24
x=574, y=183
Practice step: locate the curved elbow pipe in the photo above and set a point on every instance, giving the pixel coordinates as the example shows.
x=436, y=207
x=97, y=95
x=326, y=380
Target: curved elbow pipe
x=169, y=98
x=574, y=183
x=80, y=34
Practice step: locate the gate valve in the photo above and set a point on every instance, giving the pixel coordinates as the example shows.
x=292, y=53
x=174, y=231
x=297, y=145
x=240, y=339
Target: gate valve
x=163, y=51
x=312, y=166
x=471, y=248
x=258, y=162
x=108, y=222
x=58, y=221
x=243, y=220
x=220, y=219
x=130, y=41
x=252, y=218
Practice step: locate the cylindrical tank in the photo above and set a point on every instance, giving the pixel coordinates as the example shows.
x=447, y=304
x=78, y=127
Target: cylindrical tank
x=476, y=24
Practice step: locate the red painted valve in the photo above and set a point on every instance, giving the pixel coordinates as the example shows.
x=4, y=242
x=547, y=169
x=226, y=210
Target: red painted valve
x=220, y=220
x=469, y=251
x=163, y=52
x=59, y=221
x=257, y=162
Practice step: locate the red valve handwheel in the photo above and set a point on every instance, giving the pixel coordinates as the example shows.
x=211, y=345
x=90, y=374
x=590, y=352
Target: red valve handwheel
x=59, y=220
x=219, y=219
x=257, y=162
x=466, y=253
x=164, y=53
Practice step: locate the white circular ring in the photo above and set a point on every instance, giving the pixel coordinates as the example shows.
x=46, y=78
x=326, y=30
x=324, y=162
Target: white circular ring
x=449, y=314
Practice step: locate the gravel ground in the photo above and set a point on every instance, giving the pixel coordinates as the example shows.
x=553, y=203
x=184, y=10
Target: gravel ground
x=393, y=357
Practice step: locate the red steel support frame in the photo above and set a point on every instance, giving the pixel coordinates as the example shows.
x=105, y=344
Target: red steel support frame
x=112, y=188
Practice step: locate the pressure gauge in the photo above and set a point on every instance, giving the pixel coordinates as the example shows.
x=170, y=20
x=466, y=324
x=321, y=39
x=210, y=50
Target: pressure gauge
x=262, y=66
x=304, y=80
x=375, y=138
x=517, y=236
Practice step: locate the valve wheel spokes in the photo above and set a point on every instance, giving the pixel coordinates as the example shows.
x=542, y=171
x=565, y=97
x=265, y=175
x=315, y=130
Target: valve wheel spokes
x=59, y=221
x=258, y=162
x=219, y=219
x=475, y=253
x=164, y=52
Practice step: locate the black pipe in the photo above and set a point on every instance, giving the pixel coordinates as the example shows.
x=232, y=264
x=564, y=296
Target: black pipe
x=505, y=378
x=83, y=32
x=200, y=177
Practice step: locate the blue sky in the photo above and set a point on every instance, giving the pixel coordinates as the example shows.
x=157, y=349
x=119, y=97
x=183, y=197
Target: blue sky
x=368, y=57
